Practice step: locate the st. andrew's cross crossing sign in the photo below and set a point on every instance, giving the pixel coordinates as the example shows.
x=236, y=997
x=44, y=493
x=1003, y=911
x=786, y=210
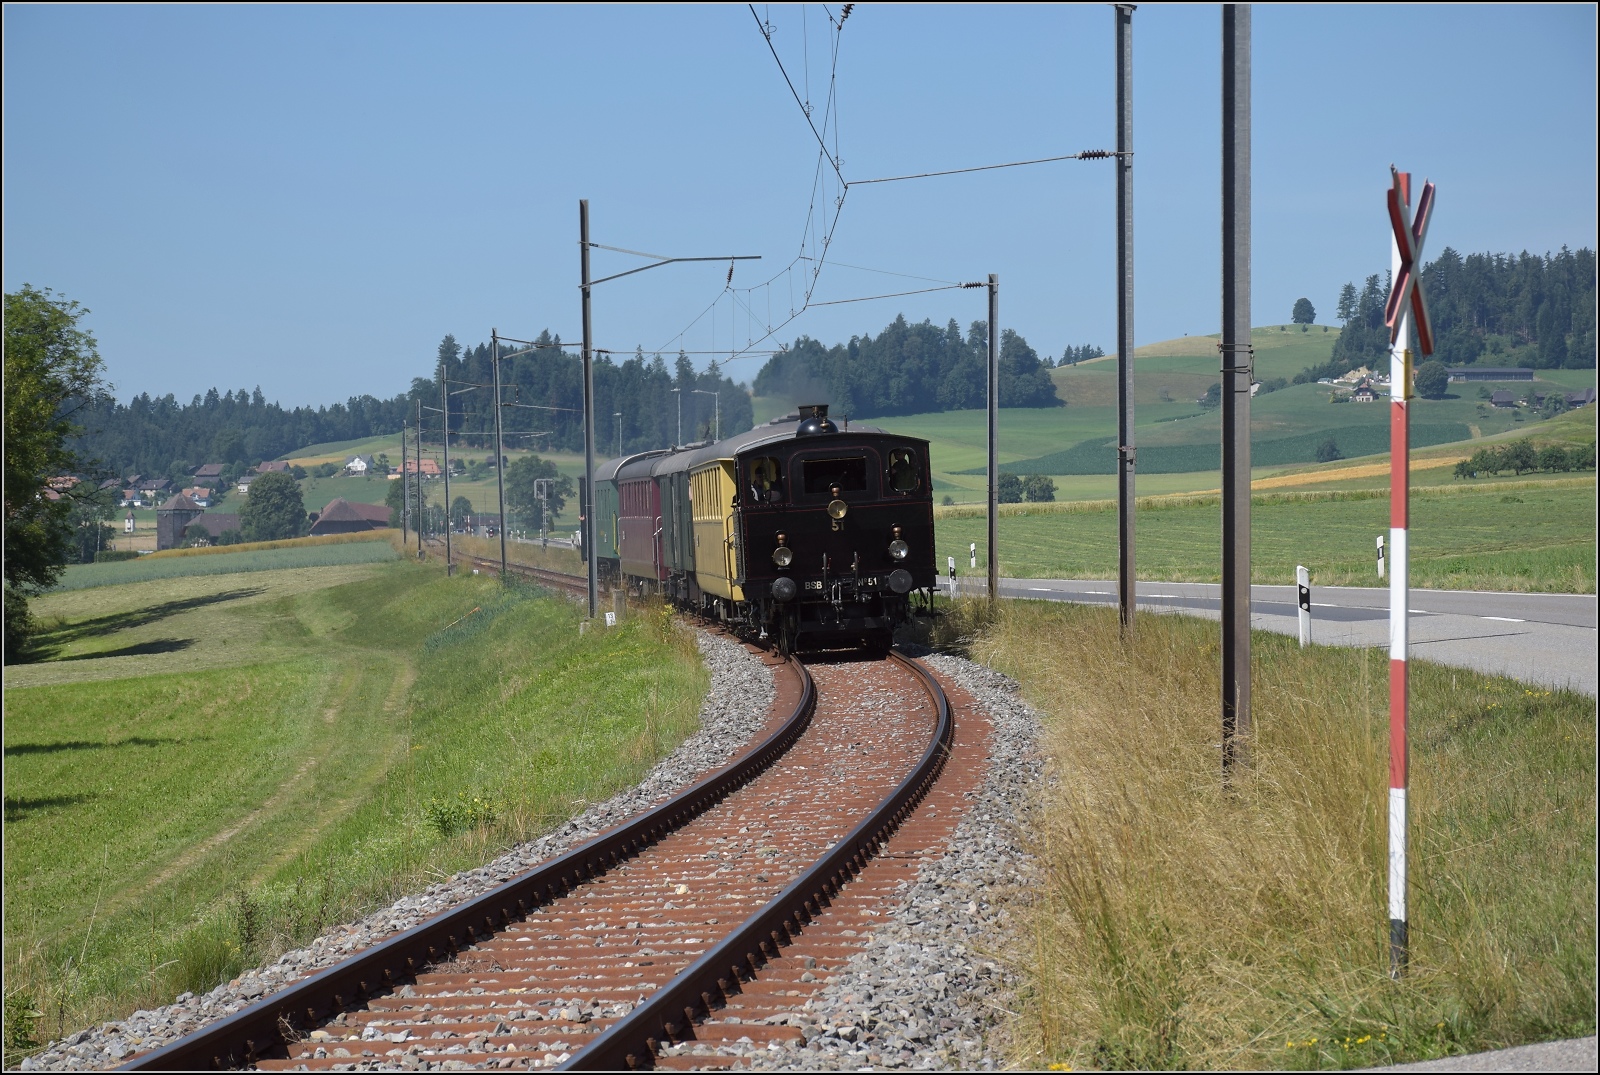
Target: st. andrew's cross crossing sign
x=1409, y=236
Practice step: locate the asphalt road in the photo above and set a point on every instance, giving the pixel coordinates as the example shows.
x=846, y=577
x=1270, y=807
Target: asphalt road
x=1545, y=639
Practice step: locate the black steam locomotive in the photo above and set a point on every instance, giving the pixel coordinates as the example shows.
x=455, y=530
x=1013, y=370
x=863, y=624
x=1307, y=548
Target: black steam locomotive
x=802, y=533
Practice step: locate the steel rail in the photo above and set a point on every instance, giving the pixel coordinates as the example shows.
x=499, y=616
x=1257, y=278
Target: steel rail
x=668, y=1015
x=264, y=1028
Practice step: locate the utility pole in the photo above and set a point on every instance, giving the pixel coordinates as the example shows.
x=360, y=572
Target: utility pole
x=499, y=446
x=444, y=402
x=588, y=414
x=1125, y=467
x=679, y=393
x=994, y=432
x=405, y=490
x=618, y=417
x=1238, y=371
x=420, y=514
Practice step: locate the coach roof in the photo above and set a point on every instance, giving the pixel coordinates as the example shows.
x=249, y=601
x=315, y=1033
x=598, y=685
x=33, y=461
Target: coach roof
x=777, y=431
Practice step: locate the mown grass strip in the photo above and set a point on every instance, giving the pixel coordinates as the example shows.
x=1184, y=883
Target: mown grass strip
x=227, y=561
x=1178, y=923
x=288, y=543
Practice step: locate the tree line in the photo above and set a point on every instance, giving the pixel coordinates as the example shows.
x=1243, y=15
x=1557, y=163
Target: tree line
x=1482, y=307
x=543, y=394
x=1523, y=457
x=912, y=369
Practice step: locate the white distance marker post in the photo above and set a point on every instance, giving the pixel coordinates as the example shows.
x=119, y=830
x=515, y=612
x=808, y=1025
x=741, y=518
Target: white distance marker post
x=972, y=551
x=1302, y=579
x=952, y=560
x=1380, y=556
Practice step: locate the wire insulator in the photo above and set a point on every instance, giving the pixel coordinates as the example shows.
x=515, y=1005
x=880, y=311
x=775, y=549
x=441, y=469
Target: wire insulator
x=1094, y=154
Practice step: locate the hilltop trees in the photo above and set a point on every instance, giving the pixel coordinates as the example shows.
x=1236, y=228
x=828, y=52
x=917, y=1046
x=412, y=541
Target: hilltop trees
x=1304, y=312
x=1481, y=303
x=52, y=368
x=909, y=369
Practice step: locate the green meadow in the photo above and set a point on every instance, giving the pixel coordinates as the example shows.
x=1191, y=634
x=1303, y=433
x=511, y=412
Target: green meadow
x=1537, y=534
x=203, y=770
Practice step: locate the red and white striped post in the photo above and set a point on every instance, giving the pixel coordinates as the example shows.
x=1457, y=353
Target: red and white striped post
x=1405, y=297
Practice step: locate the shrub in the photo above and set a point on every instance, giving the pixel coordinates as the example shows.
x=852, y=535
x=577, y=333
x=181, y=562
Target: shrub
x=111, y=556
x=450, y=816
x=1010, y=490
x=1328, y=451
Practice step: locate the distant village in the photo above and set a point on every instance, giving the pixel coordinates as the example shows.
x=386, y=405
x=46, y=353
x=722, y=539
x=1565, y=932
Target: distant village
x=186, y=515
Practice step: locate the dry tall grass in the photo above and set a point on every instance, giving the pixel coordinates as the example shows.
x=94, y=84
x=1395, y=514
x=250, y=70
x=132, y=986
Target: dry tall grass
x=1181, y=924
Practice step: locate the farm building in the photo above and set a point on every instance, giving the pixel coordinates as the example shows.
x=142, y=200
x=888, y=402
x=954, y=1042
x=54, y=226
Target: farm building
x=430, y=468
x=358, y=465
x=1503, y=398
x=172, y=518
x=1490, y=373
x=342, y=516
x=212, y=524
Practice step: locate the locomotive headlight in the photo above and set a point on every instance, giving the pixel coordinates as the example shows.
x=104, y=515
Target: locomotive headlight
x=783, y=556
x=838, y=509
x=898, y=549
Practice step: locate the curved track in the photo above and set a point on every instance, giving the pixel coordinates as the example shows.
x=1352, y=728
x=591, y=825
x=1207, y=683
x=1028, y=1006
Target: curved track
x=610, y=954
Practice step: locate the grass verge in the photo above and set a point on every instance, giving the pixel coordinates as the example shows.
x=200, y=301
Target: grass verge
x=1179, y=924
x=164, y=832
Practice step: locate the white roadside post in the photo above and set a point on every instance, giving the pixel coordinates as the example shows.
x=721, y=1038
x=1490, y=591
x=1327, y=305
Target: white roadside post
x=1302, y=579
x=952, y=560
x=1380, y=556
x=972, y=551
x=1405, y=313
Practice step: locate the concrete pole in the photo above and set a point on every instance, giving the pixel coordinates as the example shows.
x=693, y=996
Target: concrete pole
x=1238, y=371
x=588, y=414
x=1125, y=448
x=994, y=430
x=499, y=447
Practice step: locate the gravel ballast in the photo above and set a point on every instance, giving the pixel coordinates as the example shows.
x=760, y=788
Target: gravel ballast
x=735, y=708
x=931, y=988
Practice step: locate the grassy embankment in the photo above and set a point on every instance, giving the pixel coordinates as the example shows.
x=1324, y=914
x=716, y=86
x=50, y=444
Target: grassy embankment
x=203, y=771
x=1180, y=924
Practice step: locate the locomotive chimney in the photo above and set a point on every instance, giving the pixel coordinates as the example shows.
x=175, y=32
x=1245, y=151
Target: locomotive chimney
x=814, y=421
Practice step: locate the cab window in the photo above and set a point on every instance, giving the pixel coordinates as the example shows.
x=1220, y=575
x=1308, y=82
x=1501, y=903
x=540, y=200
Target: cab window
x=764, y=480
x=904, y=474
x=849, y=473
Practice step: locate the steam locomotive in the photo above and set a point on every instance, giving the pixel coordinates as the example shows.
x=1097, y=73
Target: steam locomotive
x=800, y=533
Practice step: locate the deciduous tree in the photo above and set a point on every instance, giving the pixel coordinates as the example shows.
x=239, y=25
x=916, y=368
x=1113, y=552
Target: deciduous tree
x=1304, y=312
x=275, y=509
x=52, y=371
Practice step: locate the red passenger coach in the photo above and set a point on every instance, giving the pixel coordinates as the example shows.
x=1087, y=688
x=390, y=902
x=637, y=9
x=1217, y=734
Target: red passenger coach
x=639, y=526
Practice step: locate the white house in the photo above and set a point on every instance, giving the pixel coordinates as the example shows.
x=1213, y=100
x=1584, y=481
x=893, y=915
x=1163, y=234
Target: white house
x=358, y=465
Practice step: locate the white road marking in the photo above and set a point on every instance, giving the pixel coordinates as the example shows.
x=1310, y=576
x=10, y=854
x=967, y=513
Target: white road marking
x=1503, y=619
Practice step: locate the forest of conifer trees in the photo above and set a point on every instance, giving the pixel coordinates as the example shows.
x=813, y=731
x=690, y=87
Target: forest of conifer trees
x=1482, y=306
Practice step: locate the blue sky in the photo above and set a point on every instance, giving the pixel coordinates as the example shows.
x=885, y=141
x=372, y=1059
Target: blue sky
x=309, y=197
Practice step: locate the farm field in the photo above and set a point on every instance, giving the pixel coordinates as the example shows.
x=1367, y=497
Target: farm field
x=1537, y=534
x=1179, y=924
x=203, y=771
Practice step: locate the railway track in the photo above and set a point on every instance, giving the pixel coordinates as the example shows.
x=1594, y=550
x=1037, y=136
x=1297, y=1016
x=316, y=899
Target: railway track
x=673, y=940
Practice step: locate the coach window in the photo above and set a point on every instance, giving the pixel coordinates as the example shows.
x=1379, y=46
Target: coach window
x=765, y=480
x=903, y=475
